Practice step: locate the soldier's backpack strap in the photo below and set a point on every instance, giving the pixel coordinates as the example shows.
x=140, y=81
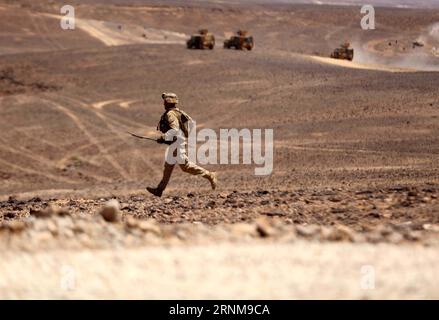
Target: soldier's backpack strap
x=184, y=121
x=163, y=125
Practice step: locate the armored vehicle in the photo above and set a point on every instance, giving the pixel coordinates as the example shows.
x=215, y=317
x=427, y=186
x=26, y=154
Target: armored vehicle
x=203, y=40
x=240, y=41
x=417, y=44
x=343, y=52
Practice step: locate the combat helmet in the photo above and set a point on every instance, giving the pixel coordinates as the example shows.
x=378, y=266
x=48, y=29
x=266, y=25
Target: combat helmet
x=170, y=97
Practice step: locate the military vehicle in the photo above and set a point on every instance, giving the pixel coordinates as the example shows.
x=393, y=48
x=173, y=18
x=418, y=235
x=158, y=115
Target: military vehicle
x=417, y=44
x=240, y=41
x=203, y=40
x=343, y=52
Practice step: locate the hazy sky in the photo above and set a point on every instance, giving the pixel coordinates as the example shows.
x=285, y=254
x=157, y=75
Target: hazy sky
x=393, y=3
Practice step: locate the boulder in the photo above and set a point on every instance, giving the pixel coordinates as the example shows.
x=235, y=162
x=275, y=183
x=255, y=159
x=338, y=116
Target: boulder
x=111, y=211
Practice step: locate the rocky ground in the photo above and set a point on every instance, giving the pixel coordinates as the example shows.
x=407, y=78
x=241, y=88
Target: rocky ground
x=396, y=215
x=367, y=244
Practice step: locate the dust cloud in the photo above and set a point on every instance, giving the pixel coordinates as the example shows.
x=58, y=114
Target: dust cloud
x=425, y=58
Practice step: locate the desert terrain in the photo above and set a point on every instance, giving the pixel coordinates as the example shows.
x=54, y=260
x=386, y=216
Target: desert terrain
x=355, y=182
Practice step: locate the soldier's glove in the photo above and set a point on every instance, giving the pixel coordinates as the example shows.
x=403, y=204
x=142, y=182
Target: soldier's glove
x=161, y=140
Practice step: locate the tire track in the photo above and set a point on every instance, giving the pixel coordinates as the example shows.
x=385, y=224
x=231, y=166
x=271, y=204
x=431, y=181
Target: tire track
x=56, y=42
x=95, y=108
x=46, y=162
x=31, y=171
x=31, y=137
x=103, y=150
x=40, y=33
x=346, y=150
x=77, y=150
x=124, y=138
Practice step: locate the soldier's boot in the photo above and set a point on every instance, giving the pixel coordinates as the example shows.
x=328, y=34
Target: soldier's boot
x=211, y=176
x=155, y=191
x=167, y=172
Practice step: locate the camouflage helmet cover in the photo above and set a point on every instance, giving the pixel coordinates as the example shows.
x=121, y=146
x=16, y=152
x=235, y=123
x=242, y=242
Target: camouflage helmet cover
x=170, y=97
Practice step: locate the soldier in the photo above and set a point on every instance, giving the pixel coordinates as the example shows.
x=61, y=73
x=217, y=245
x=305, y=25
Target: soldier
x=174, y=120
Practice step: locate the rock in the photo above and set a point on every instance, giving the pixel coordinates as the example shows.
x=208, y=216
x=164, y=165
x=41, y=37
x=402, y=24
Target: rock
x=13, y=226
x=137, y=198
x=413, y=235
x=374, y=214
x=274, y=213
x=111, y=211
x=9, y=215
x=406, y=203
x=403, y=226
x=132, y=222
x=243, y=229
x=126, y=207
x=307, y=231
x=45, y=213
x=412, y=193
x=52, y=227
x=395, y=238
x=366, y=191
x=45, y=236
x=264, y=228
x=374, y=237
x=341, y=233
x=49, y=211
x=149, y=226
x=338, y=210
x=384, y=230
x=35, y=199
x=68, y=233
x=65, y=223
x=80, y=226
x=398, y=188
x=431, y=227
x=211, y=204
x=62, y=212
x=181, y=234
x=426, y=199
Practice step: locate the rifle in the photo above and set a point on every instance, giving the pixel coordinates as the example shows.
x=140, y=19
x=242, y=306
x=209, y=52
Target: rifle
x=141, y=137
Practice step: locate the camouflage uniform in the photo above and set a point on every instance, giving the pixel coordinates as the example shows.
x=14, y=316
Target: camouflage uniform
x=173, y=119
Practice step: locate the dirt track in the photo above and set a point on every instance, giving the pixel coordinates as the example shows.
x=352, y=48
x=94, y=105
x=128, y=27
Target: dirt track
x=356, y=152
